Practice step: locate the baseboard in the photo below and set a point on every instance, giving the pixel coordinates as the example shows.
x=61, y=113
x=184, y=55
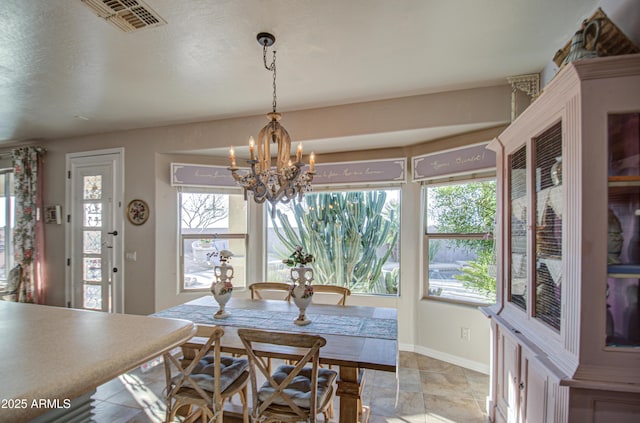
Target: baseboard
x=439, y=355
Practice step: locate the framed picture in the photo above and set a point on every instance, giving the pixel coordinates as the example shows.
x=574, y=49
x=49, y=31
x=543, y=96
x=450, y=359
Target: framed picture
x=137, y=212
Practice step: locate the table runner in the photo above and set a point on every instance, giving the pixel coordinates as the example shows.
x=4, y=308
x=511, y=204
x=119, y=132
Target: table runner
x=283, y=321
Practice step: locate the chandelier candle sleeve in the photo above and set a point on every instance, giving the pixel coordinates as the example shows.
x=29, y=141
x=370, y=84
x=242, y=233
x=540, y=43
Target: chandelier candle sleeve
x=232, y=157
x=299, y=153
x=312, y=162
x=252, y=146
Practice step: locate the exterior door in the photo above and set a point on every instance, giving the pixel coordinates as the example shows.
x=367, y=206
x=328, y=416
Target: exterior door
x=95, y=238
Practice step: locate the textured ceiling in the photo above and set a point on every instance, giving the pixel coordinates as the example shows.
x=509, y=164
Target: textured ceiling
x=66, y=72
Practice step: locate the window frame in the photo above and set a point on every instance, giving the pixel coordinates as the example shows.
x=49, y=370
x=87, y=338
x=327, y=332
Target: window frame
x=427, y=236
x=213, y=236
x=9, y=211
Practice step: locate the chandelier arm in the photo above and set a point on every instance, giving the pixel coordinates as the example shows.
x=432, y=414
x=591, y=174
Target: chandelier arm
x=234, y=173
x=260, y=191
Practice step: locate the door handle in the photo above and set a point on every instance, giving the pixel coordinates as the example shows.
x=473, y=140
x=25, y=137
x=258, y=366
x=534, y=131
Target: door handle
x=114, y=233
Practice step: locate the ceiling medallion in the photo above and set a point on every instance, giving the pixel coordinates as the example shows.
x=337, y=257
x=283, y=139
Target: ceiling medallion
x=282, y=178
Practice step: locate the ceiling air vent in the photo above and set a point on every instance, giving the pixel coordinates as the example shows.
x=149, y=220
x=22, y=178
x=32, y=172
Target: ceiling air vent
x=126, y=15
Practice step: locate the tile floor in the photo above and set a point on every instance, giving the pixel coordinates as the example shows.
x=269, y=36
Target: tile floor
x=431, y=391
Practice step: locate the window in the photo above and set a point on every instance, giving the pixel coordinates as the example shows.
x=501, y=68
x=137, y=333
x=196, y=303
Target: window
x=7, y=203
x=211, y=222
x=353, y=236
x=459, y=247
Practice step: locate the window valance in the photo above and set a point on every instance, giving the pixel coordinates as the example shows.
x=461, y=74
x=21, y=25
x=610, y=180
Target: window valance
x=327, y=174
x=453, y=162
x=198, y=175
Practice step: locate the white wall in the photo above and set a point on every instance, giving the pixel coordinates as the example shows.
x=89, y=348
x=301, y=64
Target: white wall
x=437, y=327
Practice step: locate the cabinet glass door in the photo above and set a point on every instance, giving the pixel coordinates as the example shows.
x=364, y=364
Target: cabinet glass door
x=517, y=289
x=623, y=243
x=548, y=226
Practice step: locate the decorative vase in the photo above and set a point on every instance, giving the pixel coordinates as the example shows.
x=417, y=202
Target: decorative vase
x=222, y=288
x=578, y=50
x=302, y=292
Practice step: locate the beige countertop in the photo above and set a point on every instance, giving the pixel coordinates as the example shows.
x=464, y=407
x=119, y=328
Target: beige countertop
x=58, y=353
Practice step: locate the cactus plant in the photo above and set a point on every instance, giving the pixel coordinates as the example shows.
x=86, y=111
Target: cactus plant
x=344, y=231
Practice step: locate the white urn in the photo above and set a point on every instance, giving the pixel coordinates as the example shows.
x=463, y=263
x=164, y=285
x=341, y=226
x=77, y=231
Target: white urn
x=222, y=288
x=302, y=292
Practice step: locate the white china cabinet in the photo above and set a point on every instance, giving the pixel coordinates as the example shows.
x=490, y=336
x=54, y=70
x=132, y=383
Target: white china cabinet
x=565, y=328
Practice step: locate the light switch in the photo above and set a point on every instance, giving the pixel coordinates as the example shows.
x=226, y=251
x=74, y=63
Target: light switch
x=130, y=256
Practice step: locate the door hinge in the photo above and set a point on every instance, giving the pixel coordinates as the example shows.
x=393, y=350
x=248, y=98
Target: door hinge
x=68, y=262
x=68, y=174
x=68, y=218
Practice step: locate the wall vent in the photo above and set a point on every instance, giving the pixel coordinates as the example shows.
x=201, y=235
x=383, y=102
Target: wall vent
x=126, y=15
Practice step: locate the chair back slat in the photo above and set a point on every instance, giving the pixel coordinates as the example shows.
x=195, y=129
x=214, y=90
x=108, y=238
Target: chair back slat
x=257, y=287
x=333, y=289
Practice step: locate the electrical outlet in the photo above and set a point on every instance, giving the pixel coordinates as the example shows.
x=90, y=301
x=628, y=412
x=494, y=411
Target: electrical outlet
x=465, y=334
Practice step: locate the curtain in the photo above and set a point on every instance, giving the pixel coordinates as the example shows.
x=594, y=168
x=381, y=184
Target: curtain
x=28, y=232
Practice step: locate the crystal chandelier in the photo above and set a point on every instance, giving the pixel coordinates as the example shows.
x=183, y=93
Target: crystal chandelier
x=286, y=179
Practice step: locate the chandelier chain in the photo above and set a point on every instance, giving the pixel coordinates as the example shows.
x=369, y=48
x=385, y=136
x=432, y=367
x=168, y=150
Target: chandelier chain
x=271, y=68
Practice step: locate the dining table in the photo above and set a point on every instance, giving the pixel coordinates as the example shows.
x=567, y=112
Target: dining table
x=358, y=337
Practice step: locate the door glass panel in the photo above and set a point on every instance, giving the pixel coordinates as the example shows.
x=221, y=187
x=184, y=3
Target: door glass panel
x=92, y=187
x=92, y=242
x=623, y=242
x=548, y=228
x=518, y=228
x=92, y=215
x=92, y=269
x=92, y=297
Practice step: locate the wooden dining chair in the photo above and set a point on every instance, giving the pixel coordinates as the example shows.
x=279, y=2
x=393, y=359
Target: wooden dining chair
x=205, y=380
x=333, y=289
x=258, y=287
x=293, y=392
